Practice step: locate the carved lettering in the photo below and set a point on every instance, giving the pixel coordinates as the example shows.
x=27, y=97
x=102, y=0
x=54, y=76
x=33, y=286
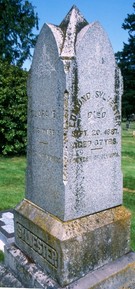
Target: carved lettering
x=38, y=245
x=95, y=137
x=97, y=114
x=75, y=120
x=85, y=97
x=100, y=94
x=95, y=132
x=80, y=159
x=106, y=156
x=98, y=142
x=81, y=144
x=110, y=141
x=49, y=131
x=79, y=133
x=43, y=113
x=111, y=131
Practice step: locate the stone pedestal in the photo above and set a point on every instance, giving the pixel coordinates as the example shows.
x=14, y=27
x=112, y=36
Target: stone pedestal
x=69, y=250
x=119, y=274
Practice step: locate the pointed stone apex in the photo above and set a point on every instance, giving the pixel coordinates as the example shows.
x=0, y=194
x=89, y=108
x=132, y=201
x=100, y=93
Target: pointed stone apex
x=71, y=25
x=75, y=7
x=79, y=19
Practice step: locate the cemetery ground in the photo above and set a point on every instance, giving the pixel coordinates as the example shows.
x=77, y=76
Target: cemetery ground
x=12, y=180
x=128, y=168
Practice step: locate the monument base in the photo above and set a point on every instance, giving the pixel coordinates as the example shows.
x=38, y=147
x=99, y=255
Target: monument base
x=119, y=274
x=69, y=250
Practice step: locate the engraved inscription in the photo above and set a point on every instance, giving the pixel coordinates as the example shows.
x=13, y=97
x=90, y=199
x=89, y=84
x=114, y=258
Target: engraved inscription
x=96, y=157
x=97, y=114
x=94, y=140
x=81, y=144
x=112, y=103
x=44, y=134
x=100, y=142
x=75, y=121
x=78, y=133
x=48, y=132
x=38, y=245
x=43, y=113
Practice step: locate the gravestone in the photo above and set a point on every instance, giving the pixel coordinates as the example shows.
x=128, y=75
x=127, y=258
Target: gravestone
x=74, y=159
x=72, y=221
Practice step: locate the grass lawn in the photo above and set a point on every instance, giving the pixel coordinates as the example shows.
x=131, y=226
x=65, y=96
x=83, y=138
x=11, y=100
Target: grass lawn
x=128, y=157
x=12, y=178
x=1, y=256
x=128, y=168
x=12, y=184
x=12, y=181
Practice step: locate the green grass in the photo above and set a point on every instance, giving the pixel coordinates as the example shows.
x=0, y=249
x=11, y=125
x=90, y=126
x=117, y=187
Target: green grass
x=12, y=184
x=128, y=157
x=12, y=181
x=128, y=168
x=129, y=202
x=1, y=256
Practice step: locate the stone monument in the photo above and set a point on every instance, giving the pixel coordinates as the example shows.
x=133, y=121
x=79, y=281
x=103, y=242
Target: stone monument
x=72, y=220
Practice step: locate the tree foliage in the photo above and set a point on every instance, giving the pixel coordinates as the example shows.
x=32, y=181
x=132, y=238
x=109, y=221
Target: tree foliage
x=17, y=20
x=13, y=109
x=126, y=61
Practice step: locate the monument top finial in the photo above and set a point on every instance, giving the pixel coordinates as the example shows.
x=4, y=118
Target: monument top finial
x=73, y=15
x=71, y=25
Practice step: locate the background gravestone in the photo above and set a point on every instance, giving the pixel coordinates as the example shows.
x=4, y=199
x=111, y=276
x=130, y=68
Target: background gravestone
x=74, y=155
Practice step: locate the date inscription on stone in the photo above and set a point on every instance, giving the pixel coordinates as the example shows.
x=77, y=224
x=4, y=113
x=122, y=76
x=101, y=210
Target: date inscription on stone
x=95, y=134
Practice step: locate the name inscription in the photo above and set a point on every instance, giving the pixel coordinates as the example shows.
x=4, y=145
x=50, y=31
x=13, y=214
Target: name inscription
x=38, y=245
x=43, y=113
x=100, y=113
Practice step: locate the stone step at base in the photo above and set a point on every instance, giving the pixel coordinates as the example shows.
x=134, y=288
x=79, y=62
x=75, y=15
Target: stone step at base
x=7, y=278
x=119, y=274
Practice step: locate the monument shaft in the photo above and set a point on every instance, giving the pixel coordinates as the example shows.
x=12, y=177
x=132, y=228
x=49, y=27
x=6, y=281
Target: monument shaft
x=74, y=154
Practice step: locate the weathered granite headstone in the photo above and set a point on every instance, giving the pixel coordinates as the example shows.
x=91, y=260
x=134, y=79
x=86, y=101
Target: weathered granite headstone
x=72, y=220
x=74, y=159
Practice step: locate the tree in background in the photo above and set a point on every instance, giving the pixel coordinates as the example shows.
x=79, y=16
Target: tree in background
x=13, y=109
x=17, y=20
x=126, y=61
